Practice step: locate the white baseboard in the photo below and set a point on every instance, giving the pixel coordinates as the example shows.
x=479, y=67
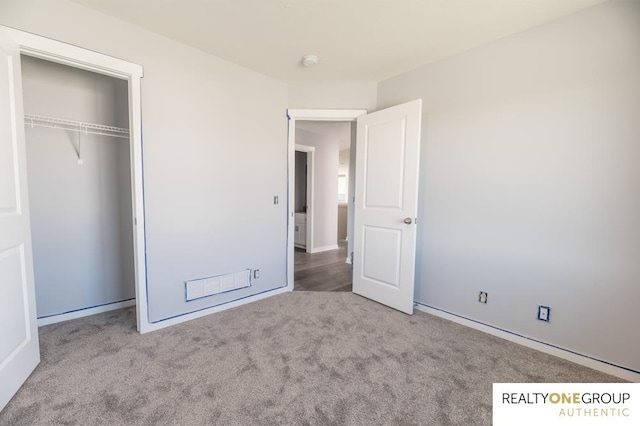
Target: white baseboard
x=301, y=246
x=325, y=248
x=348, y=261
x=535, y=344
x=85, y=312
x=147, y=327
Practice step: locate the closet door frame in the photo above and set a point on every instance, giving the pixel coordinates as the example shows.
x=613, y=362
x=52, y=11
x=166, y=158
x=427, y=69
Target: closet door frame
x=77, y=57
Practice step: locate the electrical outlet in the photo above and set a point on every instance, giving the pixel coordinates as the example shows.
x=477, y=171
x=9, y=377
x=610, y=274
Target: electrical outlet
x=256, y=273
x=544, y=313
x=482, y=298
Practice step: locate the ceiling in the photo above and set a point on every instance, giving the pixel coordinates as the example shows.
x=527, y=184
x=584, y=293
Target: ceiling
x=368, y=40
x=340, y=130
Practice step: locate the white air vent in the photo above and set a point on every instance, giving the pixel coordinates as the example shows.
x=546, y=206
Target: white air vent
x=196, y=289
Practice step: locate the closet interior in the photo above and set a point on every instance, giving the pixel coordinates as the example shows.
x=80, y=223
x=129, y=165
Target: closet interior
x=79, y=179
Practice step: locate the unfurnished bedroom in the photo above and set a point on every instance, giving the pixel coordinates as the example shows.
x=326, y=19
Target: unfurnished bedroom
x=307, y=212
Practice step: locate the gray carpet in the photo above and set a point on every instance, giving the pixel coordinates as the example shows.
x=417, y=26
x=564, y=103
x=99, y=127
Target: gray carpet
x=301, y=358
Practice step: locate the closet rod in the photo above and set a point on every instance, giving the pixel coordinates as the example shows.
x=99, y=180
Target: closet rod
x=75, y=126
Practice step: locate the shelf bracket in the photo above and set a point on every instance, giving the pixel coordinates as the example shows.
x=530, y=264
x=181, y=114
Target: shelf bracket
x=79, y=148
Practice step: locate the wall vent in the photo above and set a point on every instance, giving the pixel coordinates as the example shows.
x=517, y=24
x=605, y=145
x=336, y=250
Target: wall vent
x=203, y=287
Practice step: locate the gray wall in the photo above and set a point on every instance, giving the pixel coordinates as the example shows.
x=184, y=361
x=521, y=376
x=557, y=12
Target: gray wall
x=325, y=190
x=352, y=190
x=209, y=179
x=343, y=206
x=332, y=94
x=80, y=214
x=343, y=210
x=530, y=181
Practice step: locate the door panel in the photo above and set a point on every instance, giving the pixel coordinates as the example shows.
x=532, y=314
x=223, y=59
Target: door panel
x=13, y=301
x=387, y=161
x=381, y=250
x=384, y=150
x=19, y=350
x=8, y=193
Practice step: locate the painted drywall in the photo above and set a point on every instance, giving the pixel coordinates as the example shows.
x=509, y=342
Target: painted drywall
x=343, y=206
x=343, y=210
x=333, y=94
x=530, y=181
x=325, y=188
x=81, y=221
x=336, y=129
x=209, y=179
x=300, y=185
x=343, y=158
x=343, y=173
x=352, y=191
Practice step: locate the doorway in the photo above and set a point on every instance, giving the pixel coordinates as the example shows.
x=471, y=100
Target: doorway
x=382, y=235
x=321, y=208
x=325, y=142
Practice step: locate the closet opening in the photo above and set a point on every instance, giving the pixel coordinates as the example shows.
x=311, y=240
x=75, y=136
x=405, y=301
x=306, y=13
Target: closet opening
x=79, y=173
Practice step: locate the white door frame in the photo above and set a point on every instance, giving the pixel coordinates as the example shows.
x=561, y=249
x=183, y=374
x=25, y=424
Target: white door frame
x=311, y=161
x=348, y=115
x=77, y=57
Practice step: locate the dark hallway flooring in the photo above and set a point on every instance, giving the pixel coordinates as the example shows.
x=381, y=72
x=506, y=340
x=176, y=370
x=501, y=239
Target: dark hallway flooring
x=325, y=271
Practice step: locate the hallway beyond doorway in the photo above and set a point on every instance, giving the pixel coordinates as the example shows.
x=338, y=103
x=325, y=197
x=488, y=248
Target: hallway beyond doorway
x=325, y=271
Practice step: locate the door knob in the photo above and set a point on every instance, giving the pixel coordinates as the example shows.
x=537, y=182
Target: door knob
x=407, y=220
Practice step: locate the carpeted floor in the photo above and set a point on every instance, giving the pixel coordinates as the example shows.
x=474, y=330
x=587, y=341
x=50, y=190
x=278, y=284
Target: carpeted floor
x=302, y=358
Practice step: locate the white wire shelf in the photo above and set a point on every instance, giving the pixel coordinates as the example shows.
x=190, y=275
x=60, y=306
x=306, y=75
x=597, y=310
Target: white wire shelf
x=75, y=126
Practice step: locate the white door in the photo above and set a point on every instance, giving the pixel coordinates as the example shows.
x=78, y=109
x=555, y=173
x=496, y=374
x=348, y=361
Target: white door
x=19, y=350
x=386, y=201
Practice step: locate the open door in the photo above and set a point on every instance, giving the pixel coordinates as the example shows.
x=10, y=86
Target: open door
x=19, y=350
x=386, y=201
